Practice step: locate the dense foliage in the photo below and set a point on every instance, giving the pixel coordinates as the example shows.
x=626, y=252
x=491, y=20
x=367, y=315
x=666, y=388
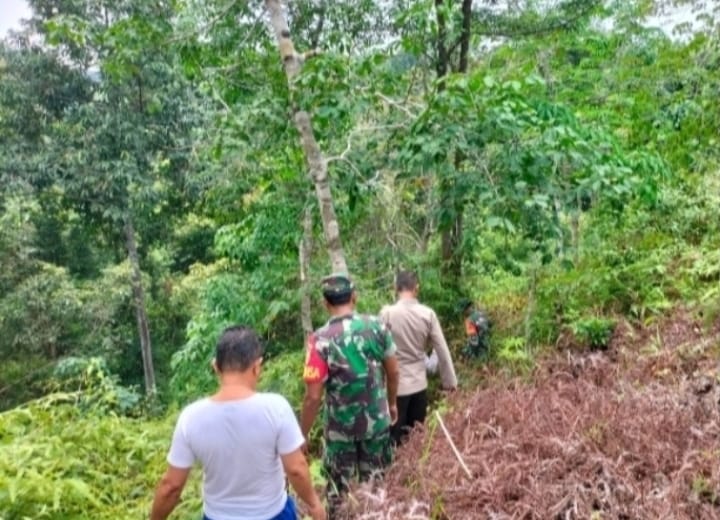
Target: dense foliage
x=557, y=162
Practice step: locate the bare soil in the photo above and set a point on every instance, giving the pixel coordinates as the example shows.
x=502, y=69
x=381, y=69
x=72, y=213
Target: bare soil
x=628, y=433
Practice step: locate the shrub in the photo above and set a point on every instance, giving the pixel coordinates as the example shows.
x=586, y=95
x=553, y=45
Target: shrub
x=96, y=388
x=594, y=332
x=514, y=352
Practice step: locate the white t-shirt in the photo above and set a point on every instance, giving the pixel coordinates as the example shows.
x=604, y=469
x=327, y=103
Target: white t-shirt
x=238, y=443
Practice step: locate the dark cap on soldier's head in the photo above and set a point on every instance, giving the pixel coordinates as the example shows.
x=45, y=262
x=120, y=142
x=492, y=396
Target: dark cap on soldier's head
x=337, y=284
x=463, y=304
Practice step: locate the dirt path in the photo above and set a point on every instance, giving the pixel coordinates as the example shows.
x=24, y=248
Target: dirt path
x=631, y=433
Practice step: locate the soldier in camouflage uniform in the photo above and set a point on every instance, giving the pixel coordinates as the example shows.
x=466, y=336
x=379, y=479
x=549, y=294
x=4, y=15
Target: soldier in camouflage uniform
x=352, y=360
x=477, y=328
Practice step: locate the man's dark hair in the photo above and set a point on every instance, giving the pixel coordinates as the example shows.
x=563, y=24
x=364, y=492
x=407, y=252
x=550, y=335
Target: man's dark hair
x=237, y=349
x=406, y=281
x=338, y=299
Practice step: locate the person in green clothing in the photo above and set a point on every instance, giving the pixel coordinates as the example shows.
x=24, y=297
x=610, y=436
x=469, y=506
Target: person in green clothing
x=477, y=329
x=351, y=359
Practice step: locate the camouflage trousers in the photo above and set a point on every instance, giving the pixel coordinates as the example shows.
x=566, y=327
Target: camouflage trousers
x=476, y=347
x=345, y=461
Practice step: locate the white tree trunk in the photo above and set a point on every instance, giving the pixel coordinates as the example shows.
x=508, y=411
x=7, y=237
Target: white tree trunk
x=317, y=165
x=305, y=249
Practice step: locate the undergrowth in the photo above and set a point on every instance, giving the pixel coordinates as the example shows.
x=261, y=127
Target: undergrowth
x=59, y=462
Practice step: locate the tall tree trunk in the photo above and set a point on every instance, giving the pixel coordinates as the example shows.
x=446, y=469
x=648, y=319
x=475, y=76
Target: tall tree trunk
x=575, y=229
x=140, y=311
x=465, y=36
x=443, y=59
x=452, y=233
x=446, y=192
x=305, y=248
x=317, y=165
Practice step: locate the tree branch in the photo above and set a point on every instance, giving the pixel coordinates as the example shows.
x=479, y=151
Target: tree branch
x=211, y=23
x=354, y=133
x=397, y=105
x=452, y=446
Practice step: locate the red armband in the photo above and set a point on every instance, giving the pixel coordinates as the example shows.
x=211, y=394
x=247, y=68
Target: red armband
x=316, y=369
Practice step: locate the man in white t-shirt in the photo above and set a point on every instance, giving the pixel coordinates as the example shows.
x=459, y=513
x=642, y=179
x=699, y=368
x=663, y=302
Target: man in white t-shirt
x=243, y=440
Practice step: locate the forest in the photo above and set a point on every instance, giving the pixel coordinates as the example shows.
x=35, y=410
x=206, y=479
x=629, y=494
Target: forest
x=170, y=168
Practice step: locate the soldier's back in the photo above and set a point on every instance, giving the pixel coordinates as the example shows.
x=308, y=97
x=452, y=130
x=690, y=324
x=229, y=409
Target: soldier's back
x=354, y=348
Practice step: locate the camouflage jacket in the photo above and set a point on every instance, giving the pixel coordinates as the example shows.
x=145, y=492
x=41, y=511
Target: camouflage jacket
x=347, y=354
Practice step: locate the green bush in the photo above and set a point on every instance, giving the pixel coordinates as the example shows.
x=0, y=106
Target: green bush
x=514, y=352
x=594, y=332
x=95, y=387
x=61, y=463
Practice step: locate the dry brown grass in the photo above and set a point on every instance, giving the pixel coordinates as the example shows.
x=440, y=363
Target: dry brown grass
x=632, y=433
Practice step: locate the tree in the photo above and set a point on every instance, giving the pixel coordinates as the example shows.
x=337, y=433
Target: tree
x=36, y=88
x=128, y=143
x=457, y=26
x=317, y=165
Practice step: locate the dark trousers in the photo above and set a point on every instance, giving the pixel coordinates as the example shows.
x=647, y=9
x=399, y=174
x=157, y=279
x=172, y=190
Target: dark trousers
x=412, y=409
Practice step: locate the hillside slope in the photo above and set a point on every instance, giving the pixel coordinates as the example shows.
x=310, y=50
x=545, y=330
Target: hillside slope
x=628, y=433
